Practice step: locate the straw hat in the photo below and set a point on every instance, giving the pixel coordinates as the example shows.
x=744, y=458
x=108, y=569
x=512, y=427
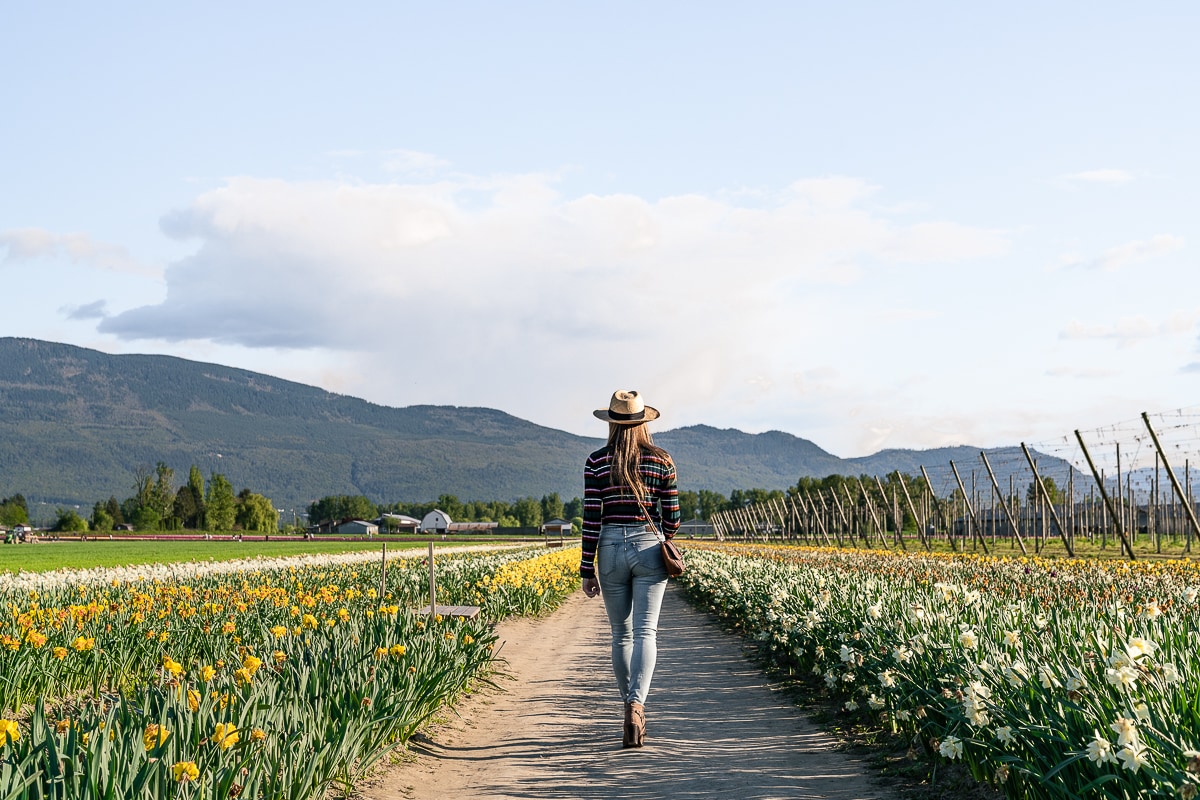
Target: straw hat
x=626, y=408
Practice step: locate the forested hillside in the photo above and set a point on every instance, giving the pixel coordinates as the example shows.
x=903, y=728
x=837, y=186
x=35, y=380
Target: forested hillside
x=76, y=426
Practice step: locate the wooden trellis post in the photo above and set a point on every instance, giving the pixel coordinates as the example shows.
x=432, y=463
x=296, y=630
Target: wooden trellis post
x=977, y=529
x=1004, y=504
x=920, y=522
x=1191, y=512
x=874, y=516
x=1104, y=494
x=1048, y=504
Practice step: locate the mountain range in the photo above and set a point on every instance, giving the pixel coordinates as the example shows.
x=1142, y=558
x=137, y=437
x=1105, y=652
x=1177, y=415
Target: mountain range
x=76, y=426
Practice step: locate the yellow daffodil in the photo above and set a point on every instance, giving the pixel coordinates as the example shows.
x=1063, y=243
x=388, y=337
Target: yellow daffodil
x=185, y=771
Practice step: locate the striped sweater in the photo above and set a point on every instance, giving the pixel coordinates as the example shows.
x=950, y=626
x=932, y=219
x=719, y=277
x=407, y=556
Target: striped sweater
x=606, y=504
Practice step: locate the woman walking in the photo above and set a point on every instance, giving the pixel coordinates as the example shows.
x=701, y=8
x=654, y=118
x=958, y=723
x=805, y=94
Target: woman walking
x=630, y=502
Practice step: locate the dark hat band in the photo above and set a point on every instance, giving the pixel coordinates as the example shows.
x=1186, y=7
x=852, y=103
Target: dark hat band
x=627, y=417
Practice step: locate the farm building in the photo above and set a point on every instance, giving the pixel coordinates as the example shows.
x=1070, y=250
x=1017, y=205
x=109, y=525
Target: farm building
x=472, y=527
x=436, y=521
x=357, y=527
x=556, y=529
x=696, y=527
x=398, y=523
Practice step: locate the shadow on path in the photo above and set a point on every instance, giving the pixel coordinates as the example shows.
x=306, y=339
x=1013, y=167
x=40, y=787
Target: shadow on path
x=715, y=727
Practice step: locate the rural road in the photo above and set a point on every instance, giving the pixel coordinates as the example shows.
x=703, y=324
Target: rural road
x=715, y=727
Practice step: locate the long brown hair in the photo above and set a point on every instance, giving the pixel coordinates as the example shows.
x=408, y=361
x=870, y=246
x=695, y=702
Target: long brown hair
x=628, y=442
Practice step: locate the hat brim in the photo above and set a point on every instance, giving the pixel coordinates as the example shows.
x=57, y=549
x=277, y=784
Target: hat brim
x=603, y=413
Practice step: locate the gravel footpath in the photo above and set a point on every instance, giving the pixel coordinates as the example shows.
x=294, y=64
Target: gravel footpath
x=715, y=725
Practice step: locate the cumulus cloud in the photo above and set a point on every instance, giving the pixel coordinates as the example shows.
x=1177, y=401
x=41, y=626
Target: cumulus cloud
x=1125, y=255
x=1112, y=176
x=27, y=244
x=498, y=277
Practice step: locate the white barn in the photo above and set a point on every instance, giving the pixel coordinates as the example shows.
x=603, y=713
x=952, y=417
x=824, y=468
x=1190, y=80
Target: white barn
x=436, y=521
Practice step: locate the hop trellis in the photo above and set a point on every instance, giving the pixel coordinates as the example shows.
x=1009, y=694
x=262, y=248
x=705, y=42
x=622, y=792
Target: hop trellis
x=1127, y=485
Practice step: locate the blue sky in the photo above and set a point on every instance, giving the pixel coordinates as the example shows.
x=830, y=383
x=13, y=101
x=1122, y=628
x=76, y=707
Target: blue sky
x=868, y=224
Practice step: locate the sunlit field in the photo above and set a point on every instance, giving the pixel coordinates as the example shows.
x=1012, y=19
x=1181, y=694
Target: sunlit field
x=1046, y=677
x=272, y=678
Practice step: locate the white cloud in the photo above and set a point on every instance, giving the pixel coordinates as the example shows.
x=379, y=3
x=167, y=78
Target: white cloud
x=504, y=280
x=1125, y=255
x=1132, y=330
x=28, y=244
x=1113, y=176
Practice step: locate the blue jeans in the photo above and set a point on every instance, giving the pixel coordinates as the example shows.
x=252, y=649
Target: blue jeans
x=632, y=578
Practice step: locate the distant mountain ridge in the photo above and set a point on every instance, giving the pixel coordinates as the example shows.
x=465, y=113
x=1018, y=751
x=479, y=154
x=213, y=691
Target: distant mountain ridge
x=76, y=424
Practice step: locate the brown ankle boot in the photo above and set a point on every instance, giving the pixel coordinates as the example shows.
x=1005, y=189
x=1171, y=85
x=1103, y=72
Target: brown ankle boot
x=635, y=725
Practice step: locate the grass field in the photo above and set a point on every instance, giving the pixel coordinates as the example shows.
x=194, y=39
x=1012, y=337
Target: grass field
x=74, y=554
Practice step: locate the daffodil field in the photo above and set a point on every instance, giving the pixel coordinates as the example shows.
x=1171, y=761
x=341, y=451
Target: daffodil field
x=1048, y=678
x=284, y=678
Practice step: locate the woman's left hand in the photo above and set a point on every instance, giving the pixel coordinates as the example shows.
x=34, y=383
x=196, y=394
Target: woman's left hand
x=591, y=587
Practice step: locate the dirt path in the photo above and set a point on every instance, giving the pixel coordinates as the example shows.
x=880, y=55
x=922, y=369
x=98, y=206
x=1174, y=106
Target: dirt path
x=715, y=727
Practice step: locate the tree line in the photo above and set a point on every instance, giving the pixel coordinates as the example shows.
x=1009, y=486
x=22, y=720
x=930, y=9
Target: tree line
x=157, y=504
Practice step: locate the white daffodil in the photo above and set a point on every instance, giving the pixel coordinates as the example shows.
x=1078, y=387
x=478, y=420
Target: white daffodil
x=1046, y=676
x=1139, y=646
x=951, y=747
x=1123, y=678
x=1004, y=734
x=1126, y=731
x=1133, y=757
x=1100, y=750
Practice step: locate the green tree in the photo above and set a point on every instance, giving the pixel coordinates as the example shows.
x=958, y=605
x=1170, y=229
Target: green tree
x=162, y=494
x=452, y=506
x=145, y=518
x=114, y=510
x=220, y=512
x=528, y=511
x=341, y=506
x=711, y=503
x=573, y=508
x=13, y=513
x=188, y=507
x=256, y=513
x=689, y=504
x=1053, y=492
x=552, y=507
x=101, y=520
x=69, y=521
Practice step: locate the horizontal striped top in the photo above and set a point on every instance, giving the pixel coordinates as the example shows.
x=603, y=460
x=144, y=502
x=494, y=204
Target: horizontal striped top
x=606, y=504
